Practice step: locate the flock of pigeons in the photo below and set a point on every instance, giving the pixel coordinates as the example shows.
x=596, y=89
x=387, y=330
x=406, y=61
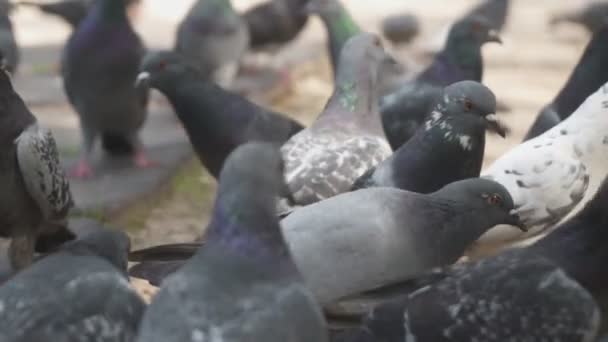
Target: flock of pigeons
x=346, y=230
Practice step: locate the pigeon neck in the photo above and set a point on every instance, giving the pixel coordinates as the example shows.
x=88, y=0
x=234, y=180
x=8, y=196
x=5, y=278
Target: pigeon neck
x=589, y=75
x=340, y=28
x=14, y=116
x=355, y=96
x=465, y=54
x=111, y=9
x=244, y=224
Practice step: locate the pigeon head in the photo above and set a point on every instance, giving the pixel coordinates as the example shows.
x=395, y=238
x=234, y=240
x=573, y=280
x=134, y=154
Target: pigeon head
x=244, y=219
x=158, y=68
x=489, y=199
x=362, y=61
x=473, y=29
x=111, y=245
x=474, y=100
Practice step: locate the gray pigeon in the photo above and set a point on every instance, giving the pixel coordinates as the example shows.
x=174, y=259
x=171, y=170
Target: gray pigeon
x=374, y=237
x=79, y=293
x=242, y=285
x=35, y=197
x=510, y=297
x=448, y=147
x=213, y=37
x=406, y=108
x=99, y=67
x=8, y=43
x=347, y=138
x=400, y=28
x=275, y=22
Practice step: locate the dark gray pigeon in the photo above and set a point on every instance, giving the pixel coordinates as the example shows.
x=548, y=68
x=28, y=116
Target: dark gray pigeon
x=78, y=293
x=590, y=73
x=71, y=11
x=275, y=22
x=593, y=16
x=447, y=148
x=509, y=297
x=100, y=64
x=495, y=12
x=346, y=139
x=216, y=120
x=213, y=37
x=35, y=197
x=407, y=107
x=242, y=285
x=373, y=237
x=8, y=44
x=571, y=256
x=400, y=28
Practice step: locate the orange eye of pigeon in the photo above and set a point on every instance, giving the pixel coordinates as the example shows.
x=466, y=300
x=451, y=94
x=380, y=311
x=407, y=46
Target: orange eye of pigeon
x=468, y=105
x=494, y=199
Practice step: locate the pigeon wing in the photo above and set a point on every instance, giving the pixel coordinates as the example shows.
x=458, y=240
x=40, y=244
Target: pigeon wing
x=42, y=172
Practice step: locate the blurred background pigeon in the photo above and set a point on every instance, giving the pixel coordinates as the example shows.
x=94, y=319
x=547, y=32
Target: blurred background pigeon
x=101, y=87
x=214, y=38
x=400, y=28
x=593, y=16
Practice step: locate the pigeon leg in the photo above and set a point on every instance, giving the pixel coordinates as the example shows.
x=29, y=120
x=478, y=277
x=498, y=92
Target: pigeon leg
x=83, y=169
x=139, y=157
x=21, y=251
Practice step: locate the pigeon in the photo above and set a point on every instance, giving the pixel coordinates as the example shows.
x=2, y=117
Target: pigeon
x=400, y=28
x=35, y=197
x=589, y=74
x=346, y=139
x=592, y=17
x=574, y=252
x=78, y=293
x=214, y=38
x=8, y=44
x=448, y=147
x=216, y=120
x=275, y=22
x=552, y=174
x=407, y=107
x=339, y=24
x=509, y=297
x=243, y=284
x=71, y=11
x=494, y=12
x=373, y=237
x=101, y=88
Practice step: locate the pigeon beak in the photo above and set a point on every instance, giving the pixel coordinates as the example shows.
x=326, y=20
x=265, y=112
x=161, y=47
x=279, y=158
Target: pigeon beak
x=494, y=36
x=494, y=125
x=142, y=78
x=515, y=220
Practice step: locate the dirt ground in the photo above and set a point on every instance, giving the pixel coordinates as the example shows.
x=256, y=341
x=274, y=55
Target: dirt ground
x=525, y=73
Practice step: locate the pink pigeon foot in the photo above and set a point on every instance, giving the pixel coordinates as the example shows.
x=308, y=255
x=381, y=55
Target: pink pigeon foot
x=141, y=161
x=82, y=171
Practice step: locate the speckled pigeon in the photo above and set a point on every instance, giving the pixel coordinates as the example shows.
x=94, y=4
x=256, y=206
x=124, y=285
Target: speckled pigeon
x=346, y=139
x=79, y=293
x=35, y=197
x=407, y=107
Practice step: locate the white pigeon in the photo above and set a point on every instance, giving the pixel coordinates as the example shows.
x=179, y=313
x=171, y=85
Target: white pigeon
x=551, y=176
